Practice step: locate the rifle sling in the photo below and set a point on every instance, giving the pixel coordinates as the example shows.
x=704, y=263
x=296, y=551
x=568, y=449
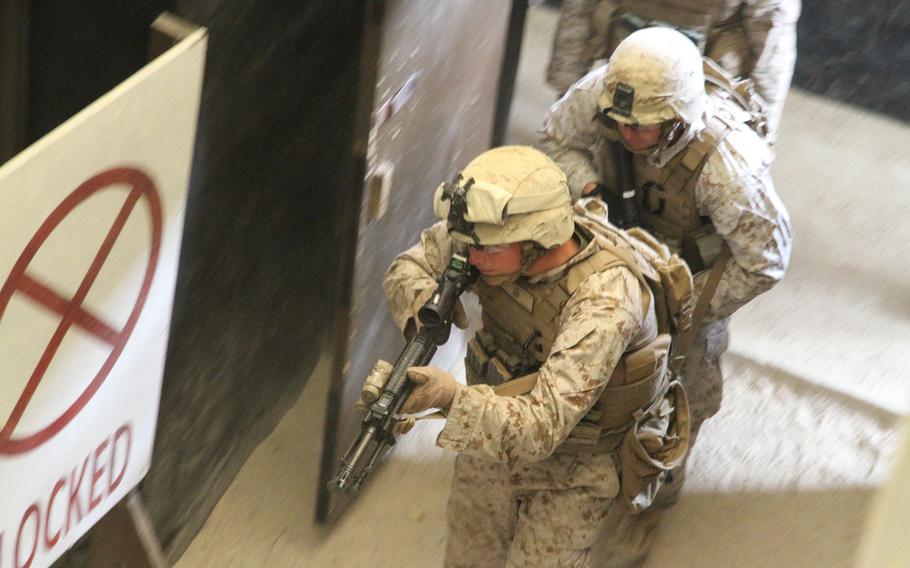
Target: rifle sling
x=684, y=342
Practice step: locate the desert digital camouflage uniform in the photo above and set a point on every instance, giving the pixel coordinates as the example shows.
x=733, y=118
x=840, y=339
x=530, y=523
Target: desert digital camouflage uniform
x=749, y=38
x=733, y=192
x=516, y=499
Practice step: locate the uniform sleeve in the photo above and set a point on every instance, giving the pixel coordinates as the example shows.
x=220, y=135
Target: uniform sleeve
x=596, y=326
x=572, y=53
x=770, y=27
x=570, y=130
x=411, y=279
x=740, y=199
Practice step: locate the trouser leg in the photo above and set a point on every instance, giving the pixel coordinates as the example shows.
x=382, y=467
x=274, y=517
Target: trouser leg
x=482, y=515
x=558, y=528
x=701, y=374
x=629, y=536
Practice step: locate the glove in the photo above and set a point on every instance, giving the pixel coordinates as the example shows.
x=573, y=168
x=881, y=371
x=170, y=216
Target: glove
x=404, y=425
x=459, y=318
x=373, y=385
x=434, y=388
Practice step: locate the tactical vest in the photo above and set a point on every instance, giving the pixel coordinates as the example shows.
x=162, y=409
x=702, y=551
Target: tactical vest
x=665, y=197
x=520, y=323
x=715, y=26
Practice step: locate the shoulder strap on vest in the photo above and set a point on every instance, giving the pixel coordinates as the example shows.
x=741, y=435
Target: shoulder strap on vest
x=608, y=257
x=597, y=262
x=693, y=159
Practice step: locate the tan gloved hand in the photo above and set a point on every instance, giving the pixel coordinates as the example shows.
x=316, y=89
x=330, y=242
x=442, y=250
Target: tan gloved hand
x=433, y=388
x=459, y=318
x=404, y=425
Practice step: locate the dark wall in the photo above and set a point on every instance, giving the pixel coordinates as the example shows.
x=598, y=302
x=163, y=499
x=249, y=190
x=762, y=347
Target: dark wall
x=274, y=172
x=14, y=50
x=509, y=72
x=80, y=50
x=857, y=51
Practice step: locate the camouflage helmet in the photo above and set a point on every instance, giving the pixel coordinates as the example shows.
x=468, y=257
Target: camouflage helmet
x=655, y=75
x=513, y=194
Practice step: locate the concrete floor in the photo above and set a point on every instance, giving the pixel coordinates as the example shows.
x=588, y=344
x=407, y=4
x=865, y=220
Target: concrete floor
x=782, y=477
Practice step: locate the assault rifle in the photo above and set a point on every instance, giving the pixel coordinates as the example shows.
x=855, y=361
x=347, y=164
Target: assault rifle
x=377, y=429
x=623, y=160
x=621, y=208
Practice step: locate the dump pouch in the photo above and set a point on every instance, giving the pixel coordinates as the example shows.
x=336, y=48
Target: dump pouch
x=657, y=442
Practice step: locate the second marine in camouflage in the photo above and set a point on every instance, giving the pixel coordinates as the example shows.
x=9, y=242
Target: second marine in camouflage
x=703, y=184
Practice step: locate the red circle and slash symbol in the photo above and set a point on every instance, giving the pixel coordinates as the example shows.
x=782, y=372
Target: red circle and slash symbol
x=140, y=189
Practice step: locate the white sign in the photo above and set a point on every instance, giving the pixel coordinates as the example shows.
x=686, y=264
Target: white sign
x=90, y=225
